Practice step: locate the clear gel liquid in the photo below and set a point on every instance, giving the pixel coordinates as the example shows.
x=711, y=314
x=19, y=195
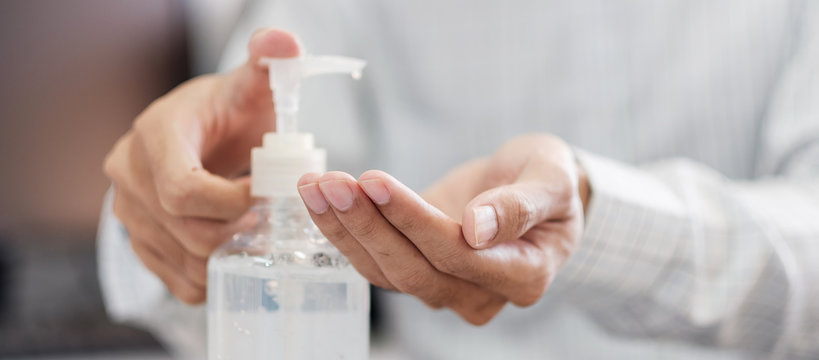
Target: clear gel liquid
x=281, y=291
x=286, y=313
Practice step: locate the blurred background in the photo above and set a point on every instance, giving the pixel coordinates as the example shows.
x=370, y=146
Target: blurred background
x=74, y=75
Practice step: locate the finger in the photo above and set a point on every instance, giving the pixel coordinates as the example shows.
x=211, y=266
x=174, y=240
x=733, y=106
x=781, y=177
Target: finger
x=179, y=192
x=544, y=191
x=143, y=240
x=179, y=285
x=183, y=186
x=248, y=85
x=201, y=237
x=337, y=234
x=402, y=264
x=138, y=222
x=198, y=236
x=243, y=104
x=515, y=270
x=126, y=173
x=270, y=42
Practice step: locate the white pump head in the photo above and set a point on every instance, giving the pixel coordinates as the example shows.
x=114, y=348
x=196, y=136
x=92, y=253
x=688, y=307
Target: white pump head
x=287, y=154
x=285, y=80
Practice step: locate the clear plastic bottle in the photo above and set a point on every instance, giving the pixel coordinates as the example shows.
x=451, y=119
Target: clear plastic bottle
x=281, y=290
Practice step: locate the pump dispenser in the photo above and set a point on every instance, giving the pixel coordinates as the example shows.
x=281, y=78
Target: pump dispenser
x=281, y=290
x=287, y=154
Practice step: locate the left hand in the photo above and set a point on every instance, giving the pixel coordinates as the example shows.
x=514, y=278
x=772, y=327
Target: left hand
x=492, y=231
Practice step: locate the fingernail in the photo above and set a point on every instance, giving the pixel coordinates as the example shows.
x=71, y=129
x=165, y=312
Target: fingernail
x=338, y=193
x=376, y=190
x=486, y=224
x=313, y=198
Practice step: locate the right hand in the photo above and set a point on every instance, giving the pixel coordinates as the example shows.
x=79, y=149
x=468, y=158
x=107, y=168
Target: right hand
x=176, y=171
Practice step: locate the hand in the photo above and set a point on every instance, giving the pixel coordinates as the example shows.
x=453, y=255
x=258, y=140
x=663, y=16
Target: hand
x=175, y=171
x=493, y=231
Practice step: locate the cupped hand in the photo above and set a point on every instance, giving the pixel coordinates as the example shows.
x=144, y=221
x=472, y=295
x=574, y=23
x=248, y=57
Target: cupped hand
x=176, y=171
x=492, y=231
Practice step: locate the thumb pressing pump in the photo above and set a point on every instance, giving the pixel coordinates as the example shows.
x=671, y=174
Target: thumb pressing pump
x=281, y=290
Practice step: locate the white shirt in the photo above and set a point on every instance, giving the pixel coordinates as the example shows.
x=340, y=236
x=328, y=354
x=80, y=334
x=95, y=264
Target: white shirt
x=697, y=121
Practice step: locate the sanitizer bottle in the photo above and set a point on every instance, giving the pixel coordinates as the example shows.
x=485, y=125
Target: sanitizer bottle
x=281, y=290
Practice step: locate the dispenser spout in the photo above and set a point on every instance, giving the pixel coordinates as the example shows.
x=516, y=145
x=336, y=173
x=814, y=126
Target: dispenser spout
x=285, y=80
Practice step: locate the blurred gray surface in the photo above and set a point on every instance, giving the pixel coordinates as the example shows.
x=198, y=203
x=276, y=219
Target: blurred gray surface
x=379, y=351
x=51, y=298
x=104, y=356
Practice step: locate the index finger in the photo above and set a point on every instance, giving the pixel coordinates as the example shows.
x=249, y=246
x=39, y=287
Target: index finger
x=183, y=186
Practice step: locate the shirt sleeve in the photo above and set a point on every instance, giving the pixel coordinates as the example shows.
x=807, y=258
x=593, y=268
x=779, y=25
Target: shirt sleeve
x=675, y=250
x=133, y=295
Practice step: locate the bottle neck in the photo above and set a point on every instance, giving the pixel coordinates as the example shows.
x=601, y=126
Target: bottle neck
x=286, y=216
x=277, y=202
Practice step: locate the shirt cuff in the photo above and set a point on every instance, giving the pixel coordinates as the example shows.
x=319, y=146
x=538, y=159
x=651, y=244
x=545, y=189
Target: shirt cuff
x=633, y=226
x=130, y=291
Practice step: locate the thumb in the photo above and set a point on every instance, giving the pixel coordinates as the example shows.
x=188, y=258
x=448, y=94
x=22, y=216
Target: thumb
x=508, y=212
x=504, y=213
x=248, y=84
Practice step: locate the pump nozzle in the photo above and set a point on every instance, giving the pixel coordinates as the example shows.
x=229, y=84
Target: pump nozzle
x=287, y=154
x=285, y=78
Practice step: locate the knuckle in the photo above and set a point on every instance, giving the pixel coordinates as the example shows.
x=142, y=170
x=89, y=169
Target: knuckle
x=141, y=121
x=188, y=295
x=172, y=200
x=532, y=293
x=526, y=300
x=377, y=280
x=109, y=167
x=197, y=239
x=337, y=235
x=383, y=283
x=438, y=299
x=433, y=303
x=196, y=269
x=521, y=209
x=408, y=224
x=486, y=312
x=371, y=272
x=477, y=318
x=364, y=229
x=452, y=264
x=421, y=285
x=413, y=282
x=175, y=193
x=435, y=299
x=113, y=163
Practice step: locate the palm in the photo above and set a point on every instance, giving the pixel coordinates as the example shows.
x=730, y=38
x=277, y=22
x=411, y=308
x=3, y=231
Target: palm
x=452, y=194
